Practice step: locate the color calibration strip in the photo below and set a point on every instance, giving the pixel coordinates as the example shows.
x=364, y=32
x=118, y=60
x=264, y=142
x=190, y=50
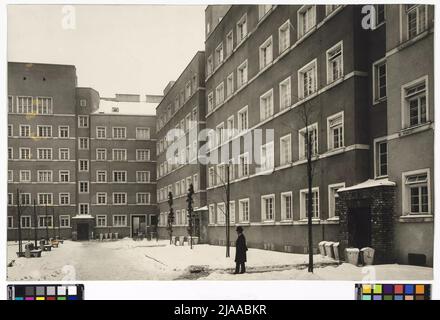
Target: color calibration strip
x=406, y=292
x=46, y=292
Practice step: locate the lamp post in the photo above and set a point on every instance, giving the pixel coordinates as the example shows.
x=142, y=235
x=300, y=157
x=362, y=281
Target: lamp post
x=35, y=224
x=20, y=246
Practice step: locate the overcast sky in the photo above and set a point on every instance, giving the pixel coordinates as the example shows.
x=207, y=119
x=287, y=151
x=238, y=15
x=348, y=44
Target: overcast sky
x=115, y=48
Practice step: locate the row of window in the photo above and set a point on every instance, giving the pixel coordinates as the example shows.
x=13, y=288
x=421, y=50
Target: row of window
x=47, y=221
x=180, y=188
x=30, y=105
x=119, y=176
x=118, y=198
x=180, y=218
x=64, y=154
x=180, y=99
x=184, y=157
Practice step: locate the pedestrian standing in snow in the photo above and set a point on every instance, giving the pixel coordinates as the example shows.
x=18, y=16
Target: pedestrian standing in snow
x=240, y=251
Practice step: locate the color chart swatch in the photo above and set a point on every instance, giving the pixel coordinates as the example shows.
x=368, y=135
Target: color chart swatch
x=46, y=292
x=393, y=292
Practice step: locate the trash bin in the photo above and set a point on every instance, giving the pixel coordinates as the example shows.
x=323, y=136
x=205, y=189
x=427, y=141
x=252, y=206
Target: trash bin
x=322, y=248
x=329, y=249
x=101, y=236
x=352, y=255
x=182, y=240
x=116, y=236
x=336, y=250
x=367, y=256
x=173, y=240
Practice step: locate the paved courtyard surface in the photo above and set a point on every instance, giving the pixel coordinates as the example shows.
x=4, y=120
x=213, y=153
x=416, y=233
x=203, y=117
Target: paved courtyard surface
x=150, y=260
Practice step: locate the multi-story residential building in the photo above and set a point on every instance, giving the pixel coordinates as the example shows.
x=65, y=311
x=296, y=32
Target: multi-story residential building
x=180, y=119
x=87, y=163
x=329, y=72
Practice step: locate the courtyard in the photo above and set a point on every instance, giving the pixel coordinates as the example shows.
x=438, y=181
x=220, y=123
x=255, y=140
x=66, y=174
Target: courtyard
x=127, y=259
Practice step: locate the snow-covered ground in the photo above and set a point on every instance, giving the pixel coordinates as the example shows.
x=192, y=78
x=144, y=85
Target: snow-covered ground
x=150, y=260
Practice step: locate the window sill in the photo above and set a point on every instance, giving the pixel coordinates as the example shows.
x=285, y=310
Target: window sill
x=416, y=218
x=414, y=129
x=305, y=221
x=379, y=100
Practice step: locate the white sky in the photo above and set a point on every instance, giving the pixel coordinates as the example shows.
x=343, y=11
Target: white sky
x=115, y=48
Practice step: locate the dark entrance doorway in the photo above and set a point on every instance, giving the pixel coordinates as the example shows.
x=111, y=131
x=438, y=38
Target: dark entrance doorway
x=137, y=225
x=359, y=226
x=83, y=231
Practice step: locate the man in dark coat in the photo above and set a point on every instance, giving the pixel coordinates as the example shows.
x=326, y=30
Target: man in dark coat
x=240, y=252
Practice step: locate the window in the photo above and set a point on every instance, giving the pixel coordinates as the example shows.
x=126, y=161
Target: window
x=286, y=206
x=44, y=131
x=142, y=198
x=119, y=133
x=26, y=222
x=83, y=121
x=83, y=208
x=232, y=212
x=10, y=176
x=83, y=103
x=219, y=54
x=230, y=127
x=101, y=132
x=267, y=156
x=306, y=19
x=335, y=133
x=243, y=119
x=263, y=10
x=381, y=161
x=219, y=133
x=101, y=176
x=11, y=153
x=101, y=221
x=268, y=207
x=266, y=105
x=416, y=192
x=242, y=74
x=10, y=130
x=243, y=165
x=266, y=53
x=101, y=154
x=63, y=131
x=45, y=198
x=119, y=154
x=45, y=221
x=380, y=80
x=142, y=133
x=188, y=89
x=83, y=187
x=119, y=198
x=119, y=221
x=307, y=80
x=83, y=143
x=416, y=19
x=101, y=198
x=25, y=199
x=25, y=153
x=64, y=198
x=64, y=175
x=243, y=210
x=335, y=64
x=142, y=155
x=221, y=213
x=212, y=219
x=44, y=154
x=379, y=15
x=415, y=107
x=286, y=149
x=220, y=94
x=142, y=176
x=230, y=85
x=229, y=43
x=63, y=154
x=210, y=101
x=24, y=105
x=332, y=195
x=44, y=105
x=241, y=29
x=221, y=174
x=304, y=196
x=284, y=37
x=83, y=165
x=196, y=182
x=25, y=175
x=64, y=221
x=211, y=177
x=285, y=94
x=331, y=8
x=209, y=65
x=25, y=130
x=10, y=199
x=120, y=176
x=10, y=104
x=307, y=134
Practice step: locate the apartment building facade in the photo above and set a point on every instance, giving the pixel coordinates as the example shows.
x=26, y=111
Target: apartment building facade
x=329, y=72
x=180, y=119
x=87, y=169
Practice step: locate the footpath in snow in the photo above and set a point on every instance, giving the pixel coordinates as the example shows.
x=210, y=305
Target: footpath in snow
x=150, y=260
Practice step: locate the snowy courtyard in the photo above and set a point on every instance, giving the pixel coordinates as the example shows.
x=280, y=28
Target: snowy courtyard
x=150, y=260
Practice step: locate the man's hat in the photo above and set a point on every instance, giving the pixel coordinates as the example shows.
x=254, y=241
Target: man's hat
x=239, y=229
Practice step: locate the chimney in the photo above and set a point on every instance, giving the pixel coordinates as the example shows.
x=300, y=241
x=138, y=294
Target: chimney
x=153, y=98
